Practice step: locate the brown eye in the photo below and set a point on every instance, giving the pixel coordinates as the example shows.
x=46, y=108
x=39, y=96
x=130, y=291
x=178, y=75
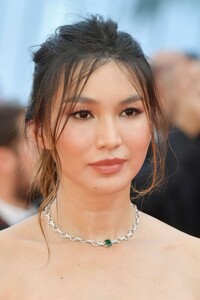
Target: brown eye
x=82, y=114
x=130, y=112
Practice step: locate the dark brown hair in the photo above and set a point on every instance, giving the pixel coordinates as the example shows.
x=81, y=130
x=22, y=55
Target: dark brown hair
x=69, y=57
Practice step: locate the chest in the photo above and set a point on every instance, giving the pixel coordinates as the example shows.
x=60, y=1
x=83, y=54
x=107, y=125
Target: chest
x=73, y=278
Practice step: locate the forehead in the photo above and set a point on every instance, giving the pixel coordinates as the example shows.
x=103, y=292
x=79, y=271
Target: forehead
x=110, y=80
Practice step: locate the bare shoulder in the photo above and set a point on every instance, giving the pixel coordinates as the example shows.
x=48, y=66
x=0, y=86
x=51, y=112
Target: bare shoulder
x=17, y=242
x=175, y=249
x=15, y=237
x=171, y=238
x=19, y=231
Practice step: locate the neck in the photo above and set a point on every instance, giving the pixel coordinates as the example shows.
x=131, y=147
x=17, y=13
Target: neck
x=95, y=217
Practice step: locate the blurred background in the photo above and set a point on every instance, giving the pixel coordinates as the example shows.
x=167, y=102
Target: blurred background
x=156, y=24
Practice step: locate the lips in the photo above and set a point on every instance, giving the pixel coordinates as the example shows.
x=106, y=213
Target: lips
x=108, y=166
x=108, y=162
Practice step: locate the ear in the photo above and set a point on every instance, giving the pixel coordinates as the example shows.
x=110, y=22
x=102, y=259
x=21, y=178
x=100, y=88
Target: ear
x=36, y=137
x=8, y=161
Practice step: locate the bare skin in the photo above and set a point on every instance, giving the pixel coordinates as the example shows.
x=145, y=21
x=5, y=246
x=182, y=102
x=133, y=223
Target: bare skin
x=159, y=262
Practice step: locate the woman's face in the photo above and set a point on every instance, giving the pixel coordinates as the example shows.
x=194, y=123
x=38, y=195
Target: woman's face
x=106, y=138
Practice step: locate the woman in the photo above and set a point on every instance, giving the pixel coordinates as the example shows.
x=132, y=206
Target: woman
x=93, y=113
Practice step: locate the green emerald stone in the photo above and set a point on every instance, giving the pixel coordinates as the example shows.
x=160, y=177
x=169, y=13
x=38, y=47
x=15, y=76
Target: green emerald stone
x=108, y=243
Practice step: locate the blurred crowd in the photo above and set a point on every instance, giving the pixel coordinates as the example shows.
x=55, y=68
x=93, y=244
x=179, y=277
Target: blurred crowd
x=178, y=75
x=176, y=202
x=16, y=165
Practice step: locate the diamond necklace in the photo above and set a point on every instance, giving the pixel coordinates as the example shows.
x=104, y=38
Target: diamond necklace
x=105, y=243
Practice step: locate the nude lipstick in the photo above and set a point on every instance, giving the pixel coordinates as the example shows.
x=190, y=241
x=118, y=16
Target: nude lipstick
x=108, y=166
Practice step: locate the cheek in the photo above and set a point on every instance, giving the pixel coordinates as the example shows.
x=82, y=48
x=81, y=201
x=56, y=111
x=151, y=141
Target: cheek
x=138, y=149
x=75, y=142
x=138, y=144
x=138, y=138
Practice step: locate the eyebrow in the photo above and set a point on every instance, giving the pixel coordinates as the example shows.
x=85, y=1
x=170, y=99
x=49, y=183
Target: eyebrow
x=130, y=99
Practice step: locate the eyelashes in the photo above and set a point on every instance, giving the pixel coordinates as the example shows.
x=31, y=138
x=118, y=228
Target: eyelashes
x=82, y=114
x=130, y=112
x=85, y=114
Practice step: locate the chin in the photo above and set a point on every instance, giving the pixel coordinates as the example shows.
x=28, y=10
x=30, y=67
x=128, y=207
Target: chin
x=106, y=186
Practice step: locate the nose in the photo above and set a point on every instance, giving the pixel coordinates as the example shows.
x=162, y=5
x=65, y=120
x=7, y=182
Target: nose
x=108, y=134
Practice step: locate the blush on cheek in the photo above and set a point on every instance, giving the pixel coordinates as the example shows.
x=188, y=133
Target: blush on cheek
x=139, y=139
x=139, y=149
x=77, y=139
